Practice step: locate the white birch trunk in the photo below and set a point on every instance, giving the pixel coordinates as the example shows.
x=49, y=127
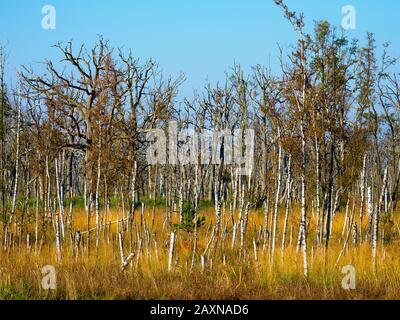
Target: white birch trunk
x=362, y=196
x=266, y=214
x=171, y=251
x=278, y=189
x=60, y=200
x=15, y=190
x=377, y=216
x=288, y=199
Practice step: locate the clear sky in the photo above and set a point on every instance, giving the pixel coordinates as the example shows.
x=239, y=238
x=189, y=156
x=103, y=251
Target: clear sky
x=201, y=38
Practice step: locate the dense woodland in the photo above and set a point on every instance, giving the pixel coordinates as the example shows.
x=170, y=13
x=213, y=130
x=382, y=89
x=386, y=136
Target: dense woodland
x=73, y=132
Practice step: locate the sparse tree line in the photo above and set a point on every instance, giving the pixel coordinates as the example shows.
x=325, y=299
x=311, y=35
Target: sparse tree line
x=326, y=139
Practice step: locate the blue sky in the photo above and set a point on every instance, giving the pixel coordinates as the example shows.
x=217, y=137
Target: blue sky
x=201, y=38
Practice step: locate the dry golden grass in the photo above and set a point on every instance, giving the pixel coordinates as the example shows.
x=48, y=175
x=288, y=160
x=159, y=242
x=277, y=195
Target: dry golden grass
x=98, y=276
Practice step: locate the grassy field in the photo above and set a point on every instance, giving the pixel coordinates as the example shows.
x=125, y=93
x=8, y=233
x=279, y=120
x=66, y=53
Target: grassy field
x=229, y=272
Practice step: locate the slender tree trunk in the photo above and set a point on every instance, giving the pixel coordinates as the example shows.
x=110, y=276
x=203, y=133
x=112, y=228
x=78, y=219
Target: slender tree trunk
x=288, y=199
x=17, y=151
x=377, y=216
x=277, y=194
x=303, y=221
x=362, y=195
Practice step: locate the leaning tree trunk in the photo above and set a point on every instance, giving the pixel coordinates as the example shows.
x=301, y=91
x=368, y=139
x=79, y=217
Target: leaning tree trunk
x=377, y=217
x=278, y=190
x=14, y=198
x=288, y=198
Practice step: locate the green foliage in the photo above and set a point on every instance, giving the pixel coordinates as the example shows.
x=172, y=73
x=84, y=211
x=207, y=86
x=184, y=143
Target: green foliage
x=188, y=219
x=159, y=202
x=204, y=204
